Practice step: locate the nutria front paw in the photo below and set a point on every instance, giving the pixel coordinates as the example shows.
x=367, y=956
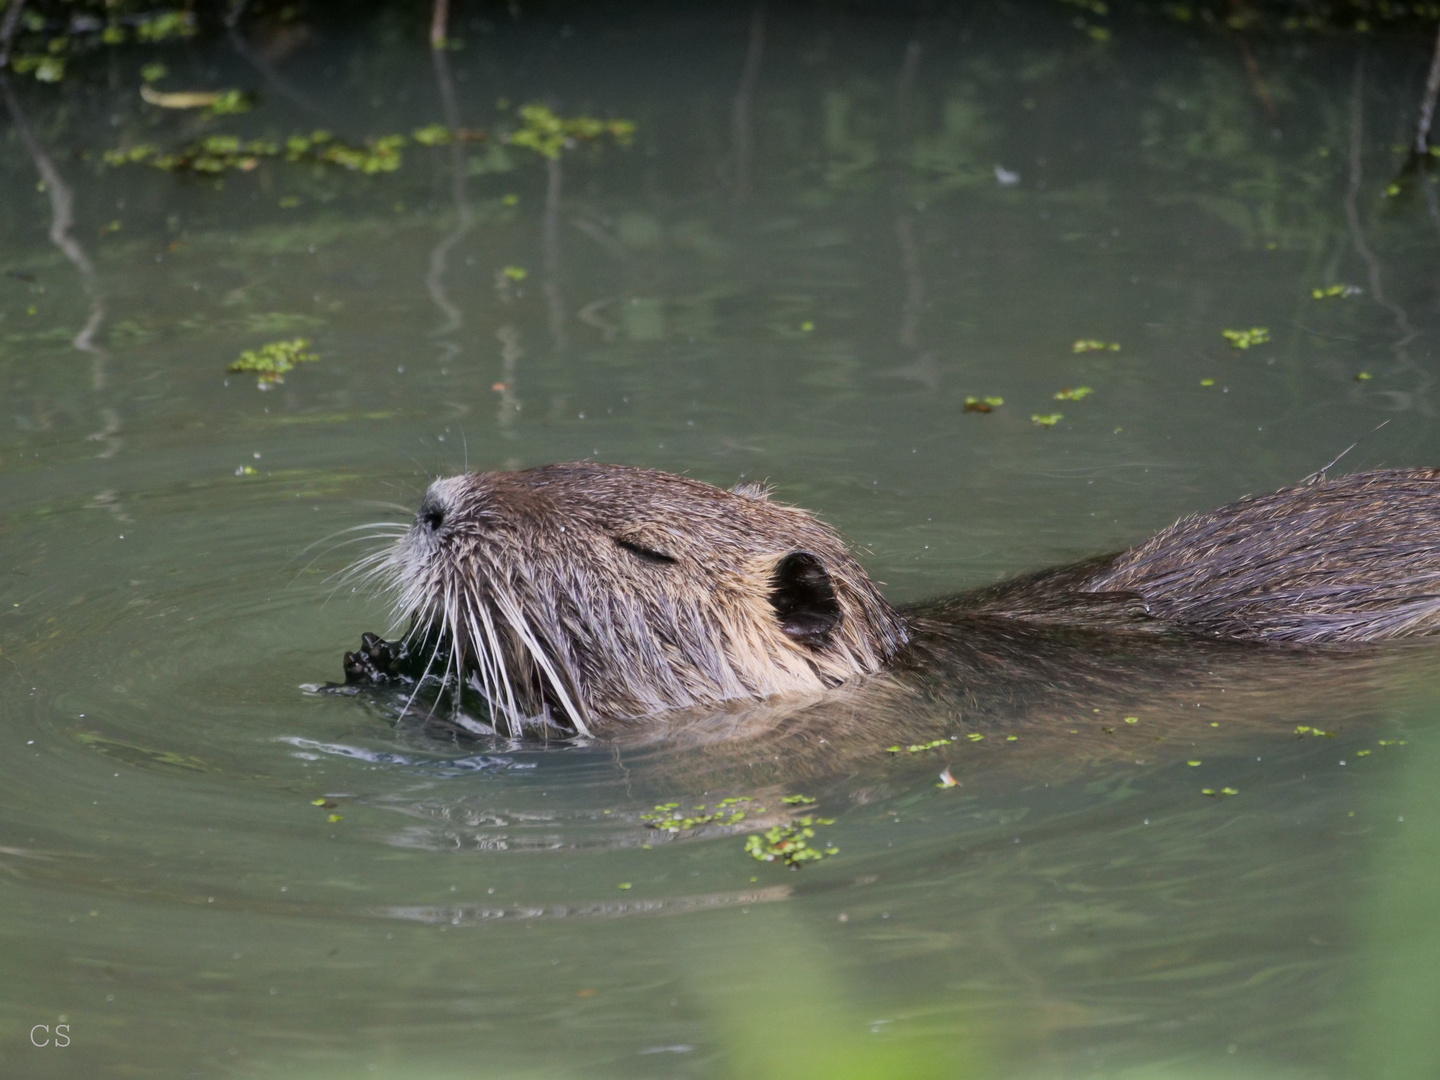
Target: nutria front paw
x=377, y=661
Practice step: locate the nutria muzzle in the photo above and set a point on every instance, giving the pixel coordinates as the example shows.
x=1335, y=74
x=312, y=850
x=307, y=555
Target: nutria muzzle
x=581, y=593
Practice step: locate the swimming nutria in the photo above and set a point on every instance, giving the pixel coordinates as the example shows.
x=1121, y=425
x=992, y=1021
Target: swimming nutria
x=581, y=593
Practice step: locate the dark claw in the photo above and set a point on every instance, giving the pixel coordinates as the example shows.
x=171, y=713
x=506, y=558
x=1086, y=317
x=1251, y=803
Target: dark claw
x=377, y=661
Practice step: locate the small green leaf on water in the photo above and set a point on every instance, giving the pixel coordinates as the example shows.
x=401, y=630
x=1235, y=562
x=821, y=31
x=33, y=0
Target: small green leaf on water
x=335, y=817
x=625, y=885
x=789, y=843
x=515, y=273
x=1330, y=292
x=1364, y=376
x=1229, y=791
x=974, y=736
x=1207, y=382
x=432, y=135
x=1049, y=420
x=548, y=134
x=1362, y=753
x=317, y=802
x=154, y=72
x=270, y=362
x=916, y=748
x=229, y=102
x=1079, y=393
x=1012, y=738
x=1090, y=345
x=1247, y=339
x=1306, y=729
x=1208, y=791
x=509, y=200
x=797, y=800
x=1132, y=719
x=982, y=404
x=807, y=326
x=1192, y=763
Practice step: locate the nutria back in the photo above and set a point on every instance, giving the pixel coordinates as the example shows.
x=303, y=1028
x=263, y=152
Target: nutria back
x=1352, y=559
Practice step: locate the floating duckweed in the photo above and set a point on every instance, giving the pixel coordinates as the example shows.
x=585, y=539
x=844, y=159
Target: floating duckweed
x=548, y=134
x=1078, y=393
x=1012, y=738
x=335, y=817
x=271, y=362
x=1247, y=339
x=432, y=135
x=1392, y=742
x=974, y=736
x=798, y=800
x=1049, y=420
x=229, y=102
x=625, y=885
x=218, y=153
x=1193, y=762
x=48, y=69
x=666, y=818
x=1090, y=345
x=915, y=748
x=1207, y=382
x=1306, y=729
x=1363, y=753
x=982, y=404
x=806, y=326
x=1363, y=376
x=165, y=25
x=1132, y=719
x=1330, y=292
x=510, y=200
x=515, y=273
x=1223, y=791
x=789, y=843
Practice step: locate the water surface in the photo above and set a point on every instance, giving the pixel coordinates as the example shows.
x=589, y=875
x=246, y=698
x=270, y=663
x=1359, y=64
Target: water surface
x=828, y=232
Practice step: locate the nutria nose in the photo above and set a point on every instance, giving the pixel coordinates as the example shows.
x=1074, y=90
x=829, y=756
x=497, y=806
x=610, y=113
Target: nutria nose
x=432, y=514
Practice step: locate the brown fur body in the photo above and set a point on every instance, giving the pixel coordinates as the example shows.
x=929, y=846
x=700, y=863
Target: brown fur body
x=588, y=593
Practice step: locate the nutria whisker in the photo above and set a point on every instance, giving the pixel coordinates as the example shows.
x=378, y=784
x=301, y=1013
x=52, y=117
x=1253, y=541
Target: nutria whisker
x=516, y=619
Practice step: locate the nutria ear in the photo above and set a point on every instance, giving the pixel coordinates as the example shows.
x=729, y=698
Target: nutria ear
x=647, y=542
x=804, y=599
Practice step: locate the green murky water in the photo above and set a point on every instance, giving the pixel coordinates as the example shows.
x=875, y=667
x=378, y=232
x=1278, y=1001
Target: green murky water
x=829, y=230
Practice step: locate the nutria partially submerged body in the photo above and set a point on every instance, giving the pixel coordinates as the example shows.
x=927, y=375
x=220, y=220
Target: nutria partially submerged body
x=580, y=594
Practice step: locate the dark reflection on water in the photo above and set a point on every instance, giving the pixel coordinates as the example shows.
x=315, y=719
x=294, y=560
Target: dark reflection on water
x=831, y=229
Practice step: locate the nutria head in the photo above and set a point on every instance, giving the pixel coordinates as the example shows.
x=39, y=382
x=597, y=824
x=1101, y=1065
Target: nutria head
x=586, y=592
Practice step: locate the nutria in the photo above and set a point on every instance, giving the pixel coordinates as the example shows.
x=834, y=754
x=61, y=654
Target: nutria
x=578, y=594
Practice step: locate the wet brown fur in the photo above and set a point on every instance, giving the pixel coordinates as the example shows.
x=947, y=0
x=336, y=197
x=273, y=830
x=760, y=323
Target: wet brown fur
x=594, y=593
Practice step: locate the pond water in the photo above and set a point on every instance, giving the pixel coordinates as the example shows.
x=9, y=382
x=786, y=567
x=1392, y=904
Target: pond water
x=829, y=230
